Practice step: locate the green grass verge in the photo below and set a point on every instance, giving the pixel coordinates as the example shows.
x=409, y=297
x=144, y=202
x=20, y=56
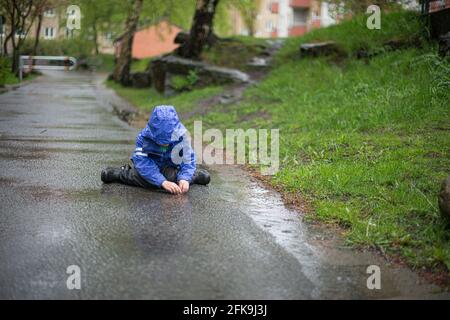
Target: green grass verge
x=367, y=143
x=140, y=65
x=147, y=99
x=7, y=77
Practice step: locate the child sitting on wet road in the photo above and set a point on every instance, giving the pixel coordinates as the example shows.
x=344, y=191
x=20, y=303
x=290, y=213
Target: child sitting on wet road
x=154, y=165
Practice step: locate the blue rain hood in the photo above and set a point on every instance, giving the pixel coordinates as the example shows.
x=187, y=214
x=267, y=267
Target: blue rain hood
x=164, y=126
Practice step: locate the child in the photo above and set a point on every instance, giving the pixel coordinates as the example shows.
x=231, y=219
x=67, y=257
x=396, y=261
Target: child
x=154, y=165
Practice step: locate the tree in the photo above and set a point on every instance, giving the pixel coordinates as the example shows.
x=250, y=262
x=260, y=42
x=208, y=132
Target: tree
x=123, y=62
x=201, y=29
x=39, y=6
x=248, y=10
x=147, y=12
x=20, y=14
x=99, y=17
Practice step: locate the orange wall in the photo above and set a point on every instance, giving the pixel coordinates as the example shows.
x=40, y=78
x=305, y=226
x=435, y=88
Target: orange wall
x=155, y=40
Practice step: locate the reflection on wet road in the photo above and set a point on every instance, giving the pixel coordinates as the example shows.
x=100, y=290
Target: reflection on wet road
x=232, y=239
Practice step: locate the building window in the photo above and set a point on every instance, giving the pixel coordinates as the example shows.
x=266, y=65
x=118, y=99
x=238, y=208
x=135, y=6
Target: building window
x=21, y=34
x=269, y=26
x=245, y=32
x=49, y=13
x=316, y=14
x=300, y=17
x=108, y=36
x=2, y=25
x=49, y=33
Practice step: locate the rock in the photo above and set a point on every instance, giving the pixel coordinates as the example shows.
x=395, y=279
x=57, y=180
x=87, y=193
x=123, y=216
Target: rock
x=258, y=62
x=399, y=44
x=444, y=198
x=181, y=37
x=319, y=49
x=444, y=45
x=141, y=80
x=159, y=69
x=207, y=74
x=226, y=98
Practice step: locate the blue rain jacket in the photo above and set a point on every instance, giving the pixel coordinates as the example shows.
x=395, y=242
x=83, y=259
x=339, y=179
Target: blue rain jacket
x=150, y=156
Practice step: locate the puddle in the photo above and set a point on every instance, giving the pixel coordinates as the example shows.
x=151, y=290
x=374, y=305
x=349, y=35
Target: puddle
x=335, y=269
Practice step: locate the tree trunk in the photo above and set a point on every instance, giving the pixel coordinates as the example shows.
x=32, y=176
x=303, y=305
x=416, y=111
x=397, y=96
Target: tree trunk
x=123, y=63
x=94, y=28
x=15, y=53
x=5, y=44
x=201, y=31
x=37, y=35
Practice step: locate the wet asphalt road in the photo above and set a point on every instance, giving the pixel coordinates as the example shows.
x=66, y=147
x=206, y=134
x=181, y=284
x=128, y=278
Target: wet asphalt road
x=230, y=240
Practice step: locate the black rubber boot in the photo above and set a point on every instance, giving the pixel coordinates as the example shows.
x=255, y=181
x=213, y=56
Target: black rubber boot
x=111, y=174
x=201, y=176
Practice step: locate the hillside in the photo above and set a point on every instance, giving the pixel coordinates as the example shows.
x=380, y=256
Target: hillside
x=366, y=142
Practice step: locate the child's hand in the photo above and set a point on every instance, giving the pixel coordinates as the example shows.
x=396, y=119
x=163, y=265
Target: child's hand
x=171, y=187
x=184, y=186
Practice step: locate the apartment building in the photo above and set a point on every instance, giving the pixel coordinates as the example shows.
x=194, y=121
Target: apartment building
x=285, y=18
x=51, y=28
x=438, y=5
x=149, y=41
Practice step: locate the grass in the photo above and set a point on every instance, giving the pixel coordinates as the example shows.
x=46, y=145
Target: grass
x=234, y=52
x=140, y=65
x=147, y=99
x=105, y=63
x=354, y=35
x=366, y=143
x=7, y=77
x=102, y=62
x=10, y=79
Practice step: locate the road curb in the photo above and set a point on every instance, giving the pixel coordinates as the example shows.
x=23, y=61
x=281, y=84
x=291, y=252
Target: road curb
x=120, y=107
x=11, y=87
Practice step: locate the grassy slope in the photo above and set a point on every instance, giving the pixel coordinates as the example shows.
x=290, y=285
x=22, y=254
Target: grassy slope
x=224, y=55
x=367, y=143
x=147, y=99
x=234, y=52
x=11, y=79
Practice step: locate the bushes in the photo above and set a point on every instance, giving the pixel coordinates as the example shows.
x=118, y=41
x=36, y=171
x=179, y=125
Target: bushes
x=4, y=70
x=6, y=76
x=75, y=47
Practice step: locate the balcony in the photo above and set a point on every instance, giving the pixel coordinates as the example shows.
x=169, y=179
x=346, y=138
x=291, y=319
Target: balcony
x=274, y=33
x=300, y=3
x=274, y=7
x=296, y=31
